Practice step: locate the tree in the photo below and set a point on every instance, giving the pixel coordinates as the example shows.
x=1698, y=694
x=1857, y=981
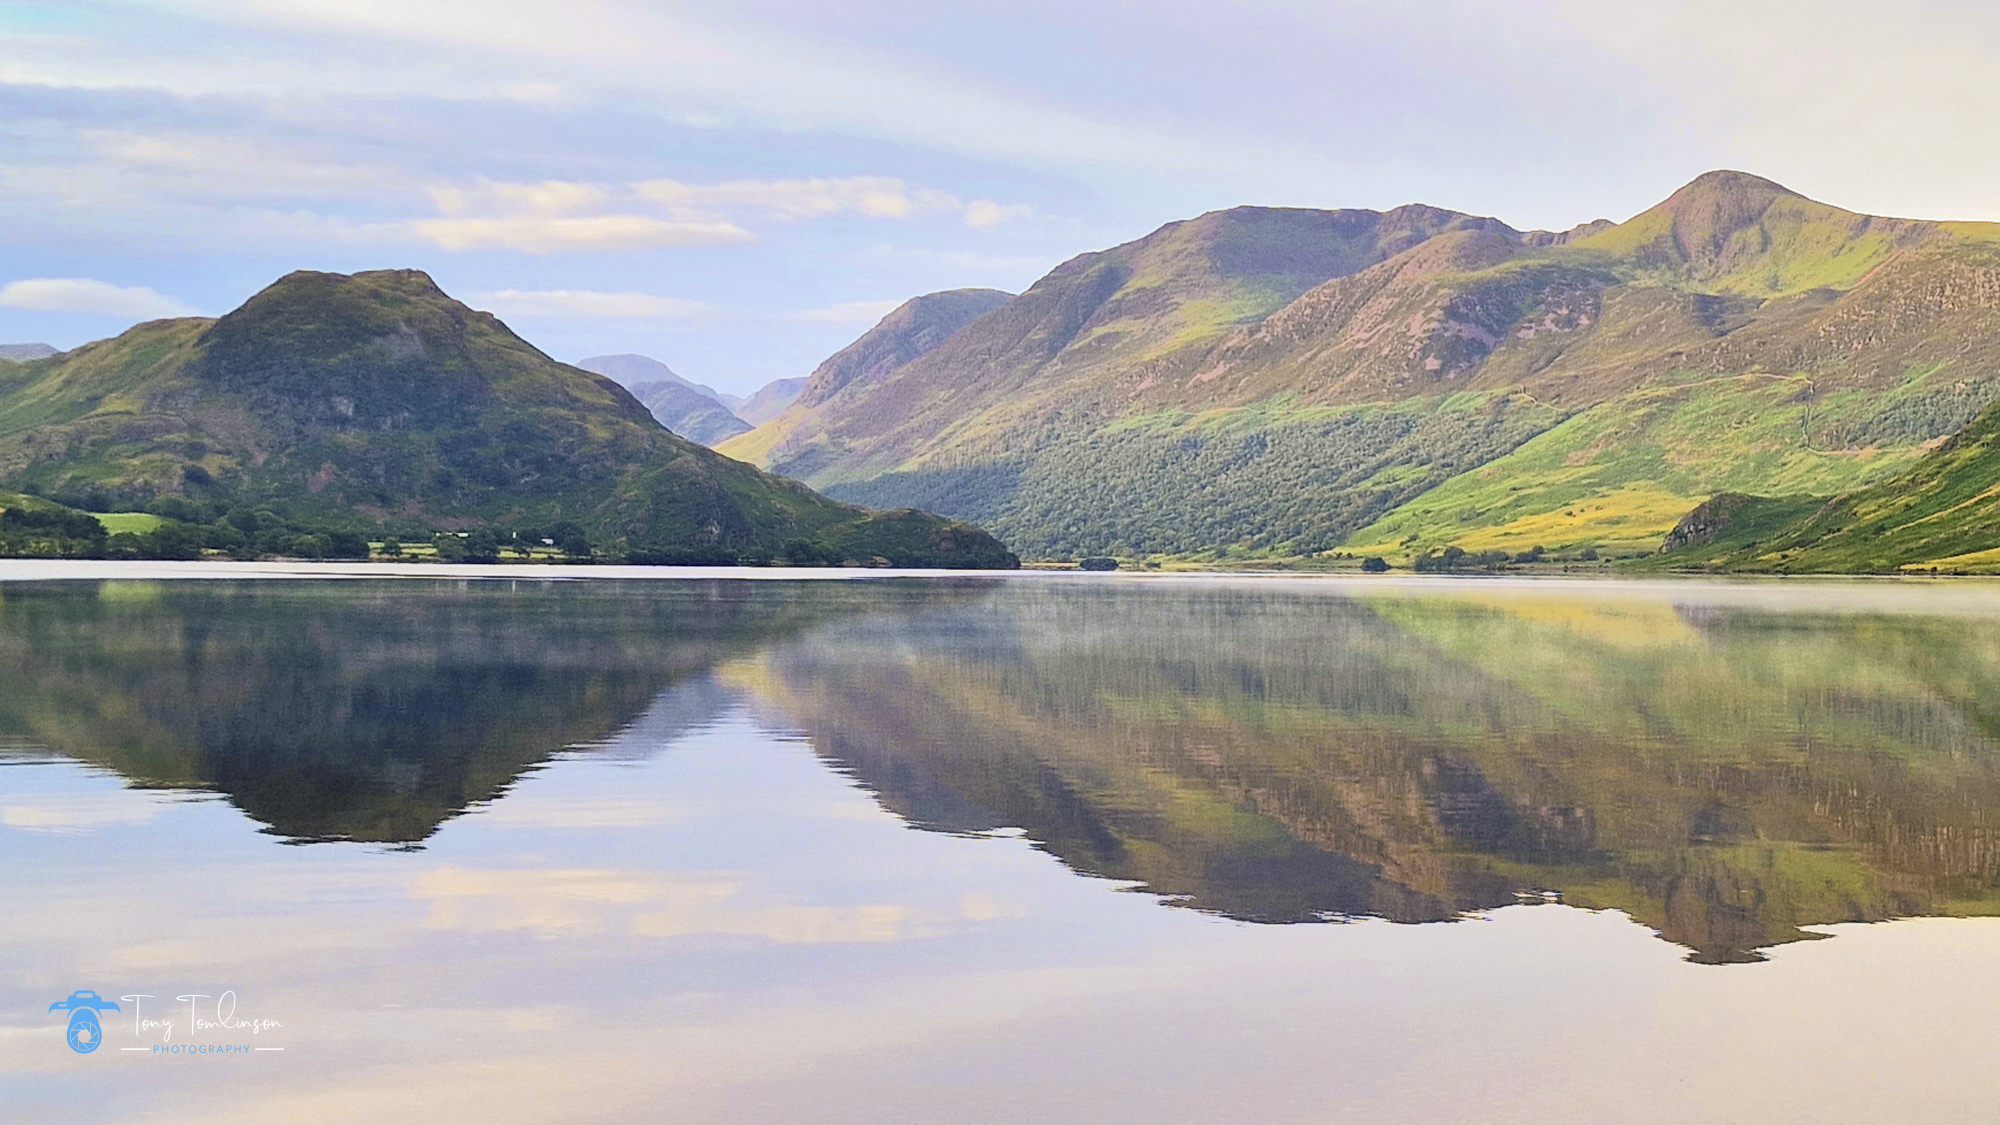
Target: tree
x=801, y=551
x=346, y=545
x=450, y=548
x=392, y=547
x=571, y=540
x=1374, y=564
x=482, y=546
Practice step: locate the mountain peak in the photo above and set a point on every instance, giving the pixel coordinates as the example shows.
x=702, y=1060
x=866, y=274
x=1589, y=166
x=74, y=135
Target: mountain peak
x=1732, y=232
x=1715, y=205
x=1724, y=181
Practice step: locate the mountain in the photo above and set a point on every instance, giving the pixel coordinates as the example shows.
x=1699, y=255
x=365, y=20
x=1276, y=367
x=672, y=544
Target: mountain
x=1281, y=381
x=634, y=370
x=1942, y=513
x=688, y=412
x=21, y=353
x=770, y=400
x=377, y=400
x=914, y=329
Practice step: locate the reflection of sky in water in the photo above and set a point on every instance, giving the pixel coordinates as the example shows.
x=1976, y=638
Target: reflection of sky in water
x=698, y=920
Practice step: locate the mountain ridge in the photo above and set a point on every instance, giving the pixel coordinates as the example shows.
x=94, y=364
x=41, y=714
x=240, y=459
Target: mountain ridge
x=1448, y=380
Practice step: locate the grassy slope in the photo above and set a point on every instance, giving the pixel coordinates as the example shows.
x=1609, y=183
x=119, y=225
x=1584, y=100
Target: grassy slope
x=1621, y=475
x=1942, y=512
x=378, y=399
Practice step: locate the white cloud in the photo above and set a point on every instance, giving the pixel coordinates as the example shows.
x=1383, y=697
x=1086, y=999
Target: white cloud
x=547, y=216
x=548, y=197
x=850, y=312
x=619, y=48
x=80, y=813
x=987, y=213
x=874, y=197
x=878, y=197
x=554, y=903
x=591, y=303
x=546, y=234
x=88, y=295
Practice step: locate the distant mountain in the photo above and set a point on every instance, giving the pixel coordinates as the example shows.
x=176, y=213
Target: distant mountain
x=1293, y=381
x=914, y=329
x=688, y=412
x=633, y=370
x=770, y=400
x=377, y=399
x=21, y=353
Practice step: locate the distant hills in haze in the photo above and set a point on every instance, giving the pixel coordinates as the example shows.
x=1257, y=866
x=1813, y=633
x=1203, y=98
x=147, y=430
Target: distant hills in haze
x=376, y=401
x=1266, y=381
x=769, y=400
x=21, y=353
x=693, y=410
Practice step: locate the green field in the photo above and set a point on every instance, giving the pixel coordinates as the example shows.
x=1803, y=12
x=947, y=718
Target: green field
x=137, y=523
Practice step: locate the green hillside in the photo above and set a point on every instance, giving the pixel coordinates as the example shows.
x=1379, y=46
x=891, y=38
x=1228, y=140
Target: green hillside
x=1941, y=513
x=377, y=402
x=1287, y=382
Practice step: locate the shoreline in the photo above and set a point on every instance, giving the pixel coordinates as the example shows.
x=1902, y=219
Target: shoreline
x=83, y=570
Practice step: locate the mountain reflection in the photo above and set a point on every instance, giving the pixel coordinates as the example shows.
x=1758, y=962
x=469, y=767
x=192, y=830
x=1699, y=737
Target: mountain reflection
x=1727, y=770
x=369, y=711
x=1724, y=773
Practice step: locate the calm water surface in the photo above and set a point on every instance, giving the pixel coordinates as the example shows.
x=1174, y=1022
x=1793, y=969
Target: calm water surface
x=1011, y=850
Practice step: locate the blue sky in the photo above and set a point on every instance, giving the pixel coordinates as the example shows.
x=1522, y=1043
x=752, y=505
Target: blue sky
x=739, y=189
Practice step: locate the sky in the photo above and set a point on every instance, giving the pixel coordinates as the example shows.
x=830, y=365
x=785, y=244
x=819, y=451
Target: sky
x=740, y=189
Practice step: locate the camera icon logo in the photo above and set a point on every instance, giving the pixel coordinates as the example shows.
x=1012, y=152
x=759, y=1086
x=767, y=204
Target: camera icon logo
x=85, y=1033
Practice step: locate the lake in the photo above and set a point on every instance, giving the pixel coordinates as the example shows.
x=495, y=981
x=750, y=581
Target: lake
x=1034, y=848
